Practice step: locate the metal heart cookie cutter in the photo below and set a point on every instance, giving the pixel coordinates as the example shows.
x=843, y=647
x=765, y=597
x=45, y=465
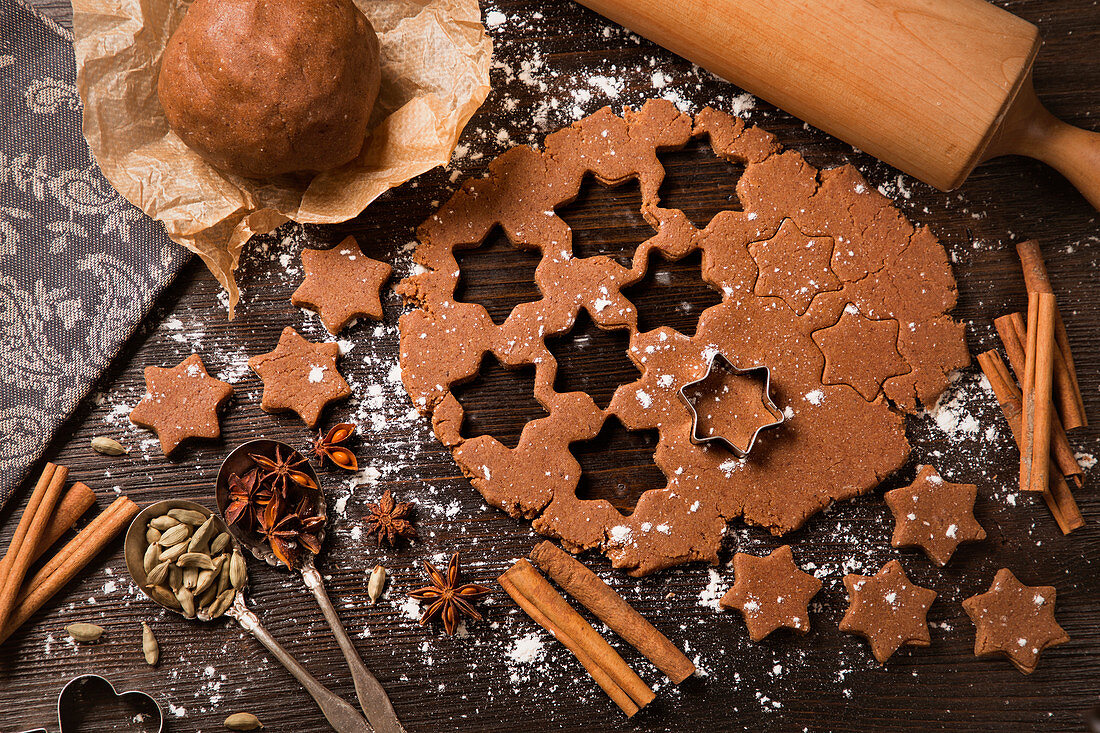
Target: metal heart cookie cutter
x=80, y=693
x=759, y=371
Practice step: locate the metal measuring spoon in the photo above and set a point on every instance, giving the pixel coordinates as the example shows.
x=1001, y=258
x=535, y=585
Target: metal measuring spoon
x=372, y=697
x=338, y=712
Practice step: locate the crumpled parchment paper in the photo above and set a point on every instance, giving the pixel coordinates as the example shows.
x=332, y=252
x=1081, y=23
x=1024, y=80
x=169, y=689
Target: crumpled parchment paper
x=435, y=74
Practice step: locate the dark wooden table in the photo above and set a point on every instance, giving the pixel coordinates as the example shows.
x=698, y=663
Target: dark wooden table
x=555, y=61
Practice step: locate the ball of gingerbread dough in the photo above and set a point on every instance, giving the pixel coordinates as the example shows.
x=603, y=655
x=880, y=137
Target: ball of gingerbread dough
x=265, y=87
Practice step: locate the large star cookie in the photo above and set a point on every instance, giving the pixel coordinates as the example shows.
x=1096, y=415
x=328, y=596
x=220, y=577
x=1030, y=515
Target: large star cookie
x=771, y=592
x=821, y=279
x=341, y=284
x=860, y=352
x=301, y=376
x=181, y=402
x=1014, y=619
x=887, y=609
x=934, y=514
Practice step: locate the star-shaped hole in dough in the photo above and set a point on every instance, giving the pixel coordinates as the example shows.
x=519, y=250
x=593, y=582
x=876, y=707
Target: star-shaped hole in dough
x=341, y=284
x=794, y=267
x=301, y=376
x=935, y=515
x=1014, y=619
x=860, y=352
x=731, y=404
x=771, y=592
x=181, y=402
x=888, y=610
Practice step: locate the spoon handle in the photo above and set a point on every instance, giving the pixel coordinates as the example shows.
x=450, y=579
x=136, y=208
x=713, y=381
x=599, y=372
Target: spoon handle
x=372, y=698
x=339, y=713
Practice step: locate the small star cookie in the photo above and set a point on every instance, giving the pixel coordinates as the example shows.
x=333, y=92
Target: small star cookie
x=771, y=592
x=935, y=515
x=887, y=609
x=1014, y=619
x=181, y=402
x=301, y=376
x=341, y=284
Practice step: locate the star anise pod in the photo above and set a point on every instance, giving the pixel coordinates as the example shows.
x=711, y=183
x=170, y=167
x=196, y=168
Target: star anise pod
x=327, y=446
x=389, y=520
x=449, y=600
x=279, y=528
x=247, y=498
x=310, y=526
x=281, y=472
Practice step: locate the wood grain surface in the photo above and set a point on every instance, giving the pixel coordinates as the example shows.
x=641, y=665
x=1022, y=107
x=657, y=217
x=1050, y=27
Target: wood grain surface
x=556, y=61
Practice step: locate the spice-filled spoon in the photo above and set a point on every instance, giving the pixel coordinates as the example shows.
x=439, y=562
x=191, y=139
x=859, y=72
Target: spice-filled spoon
x=271, y=498
x=182, y=557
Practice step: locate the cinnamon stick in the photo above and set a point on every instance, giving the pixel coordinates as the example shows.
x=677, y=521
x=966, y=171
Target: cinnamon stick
x=616, y=693
x=598, y=597
x=93, y=528
x=1038, y=376
x=1059, y=499
x=69, y=561
x=543, y=604
x=1013, y=331
x=77, y=500
x=1068, y=389
x=28, y=535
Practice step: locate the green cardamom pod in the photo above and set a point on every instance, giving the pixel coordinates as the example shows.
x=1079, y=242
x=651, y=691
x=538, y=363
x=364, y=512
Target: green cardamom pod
x=152, y=535
x=187, y=602
x=149, y=645
x=204, y=581
x=190, y=578
x=223, y=576
x=376, y=583
x=84, y=632
x=163, y=522
x=200, y=541
x=173, y=552
x=108, y=446
x=219, y=543
x=152, y=557
x=222, y=603
x=159, y=574
x=164, y=597
x=195, y=560
x=243, y=721
x=175, y=578
x=174, y=536
x=238, y=570
x=207, y=597
x=188, y=516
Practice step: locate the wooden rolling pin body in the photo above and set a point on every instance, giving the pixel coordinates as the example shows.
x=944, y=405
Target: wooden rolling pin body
x=925, y=85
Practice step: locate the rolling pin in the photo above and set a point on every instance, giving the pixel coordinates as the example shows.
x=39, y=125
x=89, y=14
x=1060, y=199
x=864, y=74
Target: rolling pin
x=932, y=87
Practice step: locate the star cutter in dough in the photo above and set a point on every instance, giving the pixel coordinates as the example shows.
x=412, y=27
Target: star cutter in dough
x=763, y=373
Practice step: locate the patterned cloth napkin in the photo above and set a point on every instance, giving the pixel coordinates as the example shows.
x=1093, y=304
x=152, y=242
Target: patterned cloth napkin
x=79, y=265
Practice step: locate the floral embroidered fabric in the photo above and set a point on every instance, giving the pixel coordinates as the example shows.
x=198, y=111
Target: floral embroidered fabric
x=79, y=265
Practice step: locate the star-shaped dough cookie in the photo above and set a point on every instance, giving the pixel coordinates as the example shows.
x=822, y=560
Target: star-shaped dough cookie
x=1014, y=619
x=771, y=592
x=301, y=376
x=935, y=515
x=794, y=267
x=181, y=402
x=887, y=609
x=860, y=352
x=341, y=284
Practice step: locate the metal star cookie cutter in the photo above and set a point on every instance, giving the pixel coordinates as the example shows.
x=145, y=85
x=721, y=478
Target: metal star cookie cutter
x=71, y=704
x=758, y=370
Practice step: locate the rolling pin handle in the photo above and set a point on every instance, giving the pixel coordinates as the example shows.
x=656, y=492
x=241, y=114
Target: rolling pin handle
x=1030, y=129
